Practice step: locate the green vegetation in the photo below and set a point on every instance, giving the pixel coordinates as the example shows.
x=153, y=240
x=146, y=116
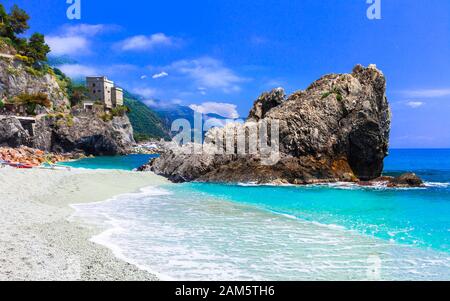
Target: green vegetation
x=31, y=101
x=120, y=111
x=32, y=51
x=37, y=50
x=141, y=137
x=326, y=94
x=335, y=91
x=2, y=104
x=12, y=71
x=62, y=119
x=75, y=92
x=146, y=123
x=106, y=117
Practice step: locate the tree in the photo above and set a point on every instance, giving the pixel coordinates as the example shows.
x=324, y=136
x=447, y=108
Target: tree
x=3, y=20
x=37, y=49
x=18, y=21
x=77, y=94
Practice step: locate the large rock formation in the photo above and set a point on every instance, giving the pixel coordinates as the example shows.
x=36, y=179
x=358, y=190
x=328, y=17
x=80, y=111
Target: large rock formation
x=335, y=130
x=16, y=79
x=12, y=133
x=57, y=129
x=86, y=133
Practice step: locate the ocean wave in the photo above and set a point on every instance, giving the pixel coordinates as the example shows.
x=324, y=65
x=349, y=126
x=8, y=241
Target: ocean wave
x=437, y=184
x=106, y=239
x=348, y=185
x=255, y=184
x=329, y=226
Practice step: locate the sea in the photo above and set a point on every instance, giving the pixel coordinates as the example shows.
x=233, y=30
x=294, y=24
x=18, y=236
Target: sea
x=201, y=231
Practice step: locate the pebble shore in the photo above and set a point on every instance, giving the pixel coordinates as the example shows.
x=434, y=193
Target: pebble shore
x=41, y=240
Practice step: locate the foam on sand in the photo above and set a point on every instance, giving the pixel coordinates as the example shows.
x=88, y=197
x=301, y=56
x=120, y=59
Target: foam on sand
x=39, y=241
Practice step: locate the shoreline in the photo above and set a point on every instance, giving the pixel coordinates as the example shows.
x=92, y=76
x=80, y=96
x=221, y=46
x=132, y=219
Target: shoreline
x=46, y=238
x=43, y=242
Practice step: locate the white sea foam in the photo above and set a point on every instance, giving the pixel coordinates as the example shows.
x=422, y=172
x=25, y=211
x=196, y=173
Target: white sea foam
x=437, y=185
x=192, y=236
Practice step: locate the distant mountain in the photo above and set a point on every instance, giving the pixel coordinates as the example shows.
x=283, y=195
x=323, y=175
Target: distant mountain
x=56, y=61
x=146, y=123
x=171, y=113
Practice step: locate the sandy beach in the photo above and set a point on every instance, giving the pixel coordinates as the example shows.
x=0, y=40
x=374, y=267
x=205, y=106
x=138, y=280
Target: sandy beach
x=39, y=239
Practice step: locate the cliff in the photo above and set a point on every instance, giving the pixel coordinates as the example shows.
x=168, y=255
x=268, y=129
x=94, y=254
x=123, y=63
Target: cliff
x=335, y=130
x=16, y=78
x=57, y=127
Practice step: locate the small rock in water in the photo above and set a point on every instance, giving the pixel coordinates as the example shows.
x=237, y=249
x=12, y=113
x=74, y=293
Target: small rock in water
x=406, y=180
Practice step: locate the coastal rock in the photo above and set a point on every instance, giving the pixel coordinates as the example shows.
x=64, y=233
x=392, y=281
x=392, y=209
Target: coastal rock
x=16, y=79
x=57, y=128
x=266, y=102
x=12, y=133
x=335, y=130
x=406, y=180
x=87, y=133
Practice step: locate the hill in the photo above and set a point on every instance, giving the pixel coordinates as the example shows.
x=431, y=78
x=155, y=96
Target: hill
x=146, y=123
x=169, y=114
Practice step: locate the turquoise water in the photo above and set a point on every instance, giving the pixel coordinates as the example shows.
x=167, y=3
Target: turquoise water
x=198, y=231
x=129, y=162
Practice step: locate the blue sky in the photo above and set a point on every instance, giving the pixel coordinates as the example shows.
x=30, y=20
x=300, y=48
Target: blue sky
x=220, y=55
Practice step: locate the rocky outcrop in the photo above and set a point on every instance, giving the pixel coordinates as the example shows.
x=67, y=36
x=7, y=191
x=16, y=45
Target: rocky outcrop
x=12, y=133
x=265, y=103
x=16, y=79
x=406, y=180
x=85, y=133
x=335, y=130
x=58, y=128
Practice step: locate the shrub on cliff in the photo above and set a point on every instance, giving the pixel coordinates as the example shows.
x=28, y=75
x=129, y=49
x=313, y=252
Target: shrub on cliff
x=31, y=101
x=77, y=94
x=120, y=111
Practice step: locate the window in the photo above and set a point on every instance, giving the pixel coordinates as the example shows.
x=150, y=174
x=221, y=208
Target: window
x=93, y=85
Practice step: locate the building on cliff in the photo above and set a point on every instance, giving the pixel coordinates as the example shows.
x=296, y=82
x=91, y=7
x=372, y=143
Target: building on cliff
x=103, y=90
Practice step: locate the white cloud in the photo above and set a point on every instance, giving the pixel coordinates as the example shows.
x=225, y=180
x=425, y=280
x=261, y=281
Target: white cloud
x=160, y=75
x=427, y=93
x=141, y=42
x=87, y=30
x=415, y=104
x=209, y=73
x=143, y=76
x=145, y=92
x=227, y=110
x=75, y=40
x=154, y=103
x=77, y=70
x=68, y=45
x=202, y=90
